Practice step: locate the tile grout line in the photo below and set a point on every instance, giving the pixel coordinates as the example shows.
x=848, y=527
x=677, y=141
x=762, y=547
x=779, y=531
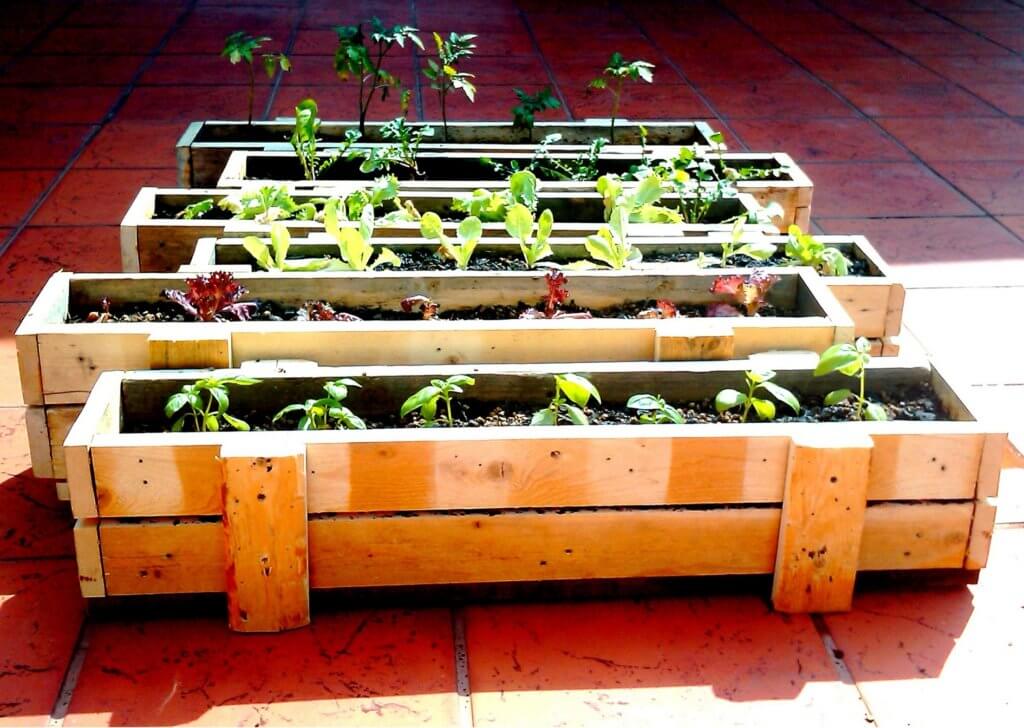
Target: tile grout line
x=95, y=130
x=547, y=66
x=288, y=46
x=835, y=656
x=62, y=704
x=967, y=29
x=461, y=654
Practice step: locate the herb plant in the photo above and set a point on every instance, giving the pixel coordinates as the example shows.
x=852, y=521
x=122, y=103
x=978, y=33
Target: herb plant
x=615, y=75
x=196, y=209
x=355, y=244
x=493, y=206
x=275, y=256
x=851, y=360
x=304, y=140
x=444, y=74
x=654, y=410
x=610, y=245
x=212, y=297
x=240, y=47
x=802, y=249
x=748, y=293
x=519, y=224
x=327, y=413
x=355, y=58
x=581, y=168
x=572, y=393
x=401, y=152
x=204, y=404
x=383, y=189
x=439, y=390
x=524, y=113
x=757, y=380
x=265, y=204
x=461, y=248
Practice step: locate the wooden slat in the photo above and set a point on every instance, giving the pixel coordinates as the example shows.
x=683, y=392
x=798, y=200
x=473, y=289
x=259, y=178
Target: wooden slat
x=59, y=421
x=989, y=471
x=89, y=558
x=866, y=304
x=101, y=415
x=264, y=502
x=189, y=347
x=673, y=342
x=894, y=310
x=39, y=442
x=823, y=508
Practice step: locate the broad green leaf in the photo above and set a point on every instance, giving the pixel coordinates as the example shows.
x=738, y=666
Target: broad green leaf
x=729, y=398
x=238, y=424
x=765, y=408
x=419, y=399
x=210, y=423
x=834, y=358
x=286, y=410
x=337, y=389
x=430, y=226
x=174, y=403
x=429, y=410
x=760, y=375
x=578, y=389
x=179, y=424
x=519, y=222
x=461, y=379
x=875, y=412
x=600, y=247
x=644, y=402
x=387, y=256
x=280, y=240
x=619, y=222
x=522, y=187
x=544, y=225
x=221, y=397
x=258, y=250
x=470, y=229
x=836, y=396
x=783, y=395
x=648, y=191
x=575, y=415
x=366, y=223
x=543, y=417
x=757, y=251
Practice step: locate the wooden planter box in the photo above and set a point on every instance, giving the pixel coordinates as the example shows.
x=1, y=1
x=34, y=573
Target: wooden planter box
x=461, y=171
x=153, y=241
x=204, y=148
x=264, y=516
x=874, y=302
x=60, y=362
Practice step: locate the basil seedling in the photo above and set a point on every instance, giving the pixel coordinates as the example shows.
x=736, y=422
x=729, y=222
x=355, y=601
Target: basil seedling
x=654, y=410
x=572, y=393
x=757, y=380
x=427, y=398
x=205, y=403
x=327, y=413
x=851, y=360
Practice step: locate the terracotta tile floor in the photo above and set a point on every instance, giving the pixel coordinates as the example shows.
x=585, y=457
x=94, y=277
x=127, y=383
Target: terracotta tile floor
x=908, y=117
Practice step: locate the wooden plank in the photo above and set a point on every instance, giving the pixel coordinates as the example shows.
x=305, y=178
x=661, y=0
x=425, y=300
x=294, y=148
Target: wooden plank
x=39, y=442
x=675, y=342
x=866, y=304
x=59, y=421
x=823, y=508
x=187, y=556
x=89, y=558
x=140, y=211
x=984, y=521
x=100, y=415
x=894, y=310
x=264, y=502
x=189, y=347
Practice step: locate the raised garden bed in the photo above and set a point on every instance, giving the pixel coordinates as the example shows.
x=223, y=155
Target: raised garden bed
x=154, y=240
x=872, y=296
x=60, y=361
x=204, y=148
x=814, y=502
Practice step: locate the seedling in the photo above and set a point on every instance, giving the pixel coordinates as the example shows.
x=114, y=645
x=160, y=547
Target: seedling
x=757, y=380
x=610, y=245
x=572, y=393
x=557, y=294
x=519, y=224
x=384, y=189
x=323, y=311
x=213, y=297
x=196, y=209
x=427, y=307
x=461, y=248
x=103, y=315
x=266, y=204
x=749, y=292
x=759, y=250
x=582, y=168
x=493, y=206
x=401, y=153
x=355, y=244
x=615, y=75
x=443, y=73
x=851, y=360
x=327, y=413
x=240, y=47
x=662, y=310
x=638, y=200
x=205, y=403
x=275, y=256
x=304, y=140
x=803, y=249
x=654, y=410
x=426, y=399
x=354, y=58
x=524, y=113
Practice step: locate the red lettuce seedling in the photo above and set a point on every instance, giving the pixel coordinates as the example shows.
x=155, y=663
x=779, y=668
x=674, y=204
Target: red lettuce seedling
x=213, y=298
x=662, y=309
x=557, y=295
x=426, y=306
x=748, y=292
x=323, y=311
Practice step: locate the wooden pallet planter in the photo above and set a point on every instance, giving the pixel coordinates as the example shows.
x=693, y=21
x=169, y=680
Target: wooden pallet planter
x=154, y=241
x=264, y=516
x=461, y=171
x=205, y=146
x=60, y=362
x=874, y=301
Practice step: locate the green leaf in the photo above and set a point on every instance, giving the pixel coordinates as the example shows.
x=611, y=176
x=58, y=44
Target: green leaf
x=619, y=222
x=765, y=408
x=728, y=399
x=258, y=250
x=836, y=396
x=576, y=388
x=783, y=395
x=431, y=227
x=519, y=222
x=835, y=358
x=280, y=240
x=544, y=225
x=758, y=251
x=387, y=256
x=470, y=229
x=221, y=397
x=760, y=375
x=419, y=399
x=287, y=410
x=645, y=402
x=601, y=247
x=544, y=417
x=238, y=424
x=575, y=415
x=461, y=379
x=174, y=403
x=337, y=389
x=522, y=187
x=648, y=191
x=875, y=412
x=210, y=423
x=429, y=410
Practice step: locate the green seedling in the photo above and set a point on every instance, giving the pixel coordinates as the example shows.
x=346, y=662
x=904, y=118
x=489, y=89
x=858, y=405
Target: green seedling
x=760, y=250
x=757, y=381
x=383, y=190
x=851, y=360
x=196, y=210
x=240, y=47
x=519, y=224
x=443, y=73
x=266, y=204
x=802, y=249
x=426, y=400
x=204, y=404
x=493, y=206
x=638, y=199
x=401, y=152
x=524, y=113
x=304, y=140
x=461, y=248
x=355, y=244
x=654, y=410
x=572, y=393
x=614, y=77
x=275, y=256
x=326, y=413
x=610, y=245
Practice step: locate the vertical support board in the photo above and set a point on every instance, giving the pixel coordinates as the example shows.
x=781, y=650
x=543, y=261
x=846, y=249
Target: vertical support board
x=189, y=348
x=89, y=558
x=823, y=507
x=266, y=539
x=984, y=520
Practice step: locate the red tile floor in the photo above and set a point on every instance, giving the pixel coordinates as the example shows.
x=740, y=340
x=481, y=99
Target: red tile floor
x=906, y=115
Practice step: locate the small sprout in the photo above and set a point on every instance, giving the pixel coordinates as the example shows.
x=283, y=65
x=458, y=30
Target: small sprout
x=662, y=310
x=851, y=360
x=212, y=297
x=760, y=250
x=557, y=292
x=748, y=292
x=619, y=71
x=803, y=249
x=461, y=248
x=96, y=317
x=427, y=307
x=524, y=113
x=195, y=210
x=323, y=311
x=572, y=393
x=427, y=398
x=444, y=75
x=757, y=380
x=205, y=404
x=654, y=410
x=275, y=257
x=611, y=245
x=355, y=245
x=240, y=47
x=519, y=224
x=327, y=413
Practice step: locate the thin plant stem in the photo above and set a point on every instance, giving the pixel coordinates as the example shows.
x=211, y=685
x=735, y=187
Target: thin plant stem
x=252, y=90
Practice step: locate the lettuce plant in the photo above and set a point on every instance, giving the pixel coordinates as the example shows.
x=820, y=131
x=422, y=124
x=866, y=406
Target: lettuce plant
x=444, y=75
x=355, y=244
x=519, y=224
x=749, y=292
x=760, y=250
x=614, y=76
x=204, y=404
x=326, y=413
x=382, y=190
x=439, y=390
x=265, y=204
x=460, y=249
x=802, y=249
x=851, y=360
x=654, y=410
x=275, y=256
x=212, y=297
x=610, y=245
x=572, y=393
x=240, y=47
x=556, y=295
x=524, y=113
x=757, y=380
x=493, y=206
